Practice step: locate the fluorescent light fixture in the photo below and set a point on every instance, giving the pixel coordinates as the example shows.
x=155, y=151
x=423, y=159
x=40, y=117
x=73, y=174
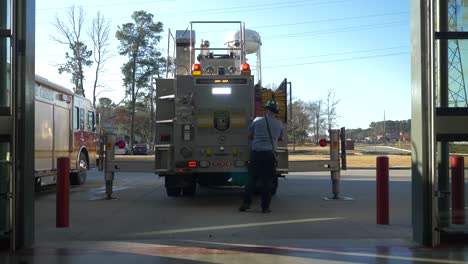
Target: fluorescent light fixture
x=221, y=90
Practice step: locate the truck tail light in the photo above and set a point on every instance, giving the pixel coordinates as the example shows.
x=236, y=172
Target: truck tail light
x=192, y=164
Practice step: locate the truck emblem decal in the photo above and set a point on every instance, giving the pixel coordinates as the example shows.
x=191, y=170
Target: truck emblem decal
x=222, y=120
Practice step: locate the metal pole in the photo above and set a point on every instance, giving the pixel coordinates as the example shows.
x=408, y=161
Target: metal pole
x=334, y=155
x=168, y=52
x=335, y=159
x=152, y=133
x=443, y=97
x=290, y=115
x=23, y=54
x=109, y=174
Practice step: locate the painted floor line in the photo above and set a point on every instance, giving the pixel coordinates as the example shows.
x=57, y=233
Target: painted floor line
x=209, y=228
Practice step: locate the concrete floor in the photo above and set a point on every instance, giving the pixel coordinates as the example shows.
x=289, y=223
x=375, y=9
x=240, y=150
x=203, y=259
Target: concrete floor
x=145, y=226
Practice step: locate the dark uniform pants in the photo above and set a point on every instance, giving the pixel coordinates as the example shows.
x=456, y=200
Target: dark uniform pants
x=262, y=170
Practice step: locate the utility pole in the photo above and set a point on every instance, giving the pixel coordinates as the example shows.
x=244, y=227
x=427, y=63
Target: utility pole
x=384, y=129
x=290, y=116
x=152, y=132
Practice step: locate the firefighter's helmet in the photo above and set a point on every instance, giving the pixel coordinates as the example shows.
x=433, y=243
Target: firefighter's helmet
x=273, y=106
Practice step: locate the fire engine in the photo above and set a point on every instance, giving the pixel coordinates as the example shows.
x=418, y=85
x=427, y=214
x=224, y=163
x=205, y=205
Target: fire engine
x=65, y=126
x=204, y=111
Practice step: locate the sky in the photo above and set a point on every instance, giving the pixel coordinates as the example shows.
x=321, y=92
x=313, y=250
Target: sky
x=359, y=49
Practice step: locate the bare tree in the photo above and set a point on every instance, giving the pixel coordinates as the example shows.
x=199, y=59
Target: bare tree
x=70, y=29
x=317, y=122
x=99, y=34
x=330, y=109
x=299, y=125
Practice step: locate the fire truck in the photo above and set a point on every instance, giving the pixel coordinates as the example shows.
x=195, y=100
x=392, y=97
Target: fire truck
x=204, y=111
x=65, y=126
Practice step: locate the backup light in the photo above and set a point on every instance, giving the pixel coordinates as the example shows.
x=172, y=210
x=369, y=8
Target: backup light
x=204, y=164
x=221, y=90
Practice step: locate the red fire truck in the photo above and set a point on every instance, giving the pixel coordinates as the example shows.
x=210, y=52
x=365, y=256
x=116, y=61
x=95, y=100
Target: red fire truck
x=65, y=126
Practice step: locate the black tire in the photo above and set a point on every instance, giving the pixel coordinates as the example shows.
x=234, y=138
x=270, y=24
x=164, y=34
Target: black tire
x=173, y=191
x=79, y=177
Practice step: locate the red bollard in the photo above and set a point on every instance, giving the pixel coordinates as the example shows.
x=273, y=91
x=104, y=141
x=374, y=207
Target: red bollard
x=382, y=191
x=458, y=190
x=63, y=192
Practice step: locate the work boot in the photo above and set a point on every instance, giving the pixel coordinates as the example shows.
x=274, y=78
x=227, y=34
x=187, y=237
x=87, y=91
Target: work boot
x=266, y=210
x=244, y=207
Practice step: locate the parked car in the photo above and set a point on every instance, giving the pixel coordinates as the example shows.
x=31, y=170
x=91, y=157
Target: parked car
x=141, y=149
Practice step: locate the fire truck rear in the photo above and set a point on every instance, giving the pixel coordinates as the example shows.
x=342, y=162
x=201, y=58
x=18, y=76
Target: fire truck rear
x=203, y=113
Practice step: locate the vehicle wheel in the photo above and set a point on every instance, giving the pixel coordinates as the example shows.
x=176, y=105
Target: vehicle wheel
x=79, y=177
x=173, y=192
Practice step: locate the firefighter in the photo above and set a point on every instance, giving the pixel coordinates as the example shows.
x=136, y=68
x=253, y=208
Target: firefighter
x=264, y=135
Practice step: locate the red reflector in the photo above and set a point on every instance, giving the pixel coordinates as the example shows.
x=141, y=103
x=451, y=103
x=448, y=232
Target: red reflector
x=245, y=66
x=192, y=164
x=322, y=142
x=121, y=144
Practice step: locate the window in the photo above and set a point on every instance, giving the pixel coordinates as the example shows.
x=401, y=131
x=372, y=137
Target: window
x=82, y=119
x=91, y=125
x=76, y=118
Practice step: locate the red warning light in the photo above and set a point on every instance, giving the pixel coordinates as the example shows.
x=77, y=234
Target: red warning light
x=192, y=164
x=322, y=142
x=196, y=67
x=121, y=144
x=245, y=67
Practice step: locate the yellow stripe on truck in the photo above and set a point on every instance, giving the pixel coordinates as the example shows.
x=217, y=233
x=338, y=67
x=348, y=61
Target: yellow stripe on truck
x=205, y=121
